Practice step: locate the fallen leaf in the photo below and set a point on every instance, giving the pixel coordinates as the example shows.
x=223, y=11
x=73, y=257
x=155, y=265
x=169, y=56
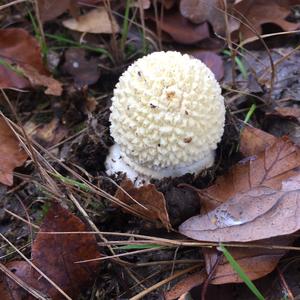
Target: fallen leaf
x=83, y=71
x=95, y=21
x=11, y=153
x=147, y=195
x=287, y=112
x=48, y=134
x=199, y=11
x=56, y=255
x=269, y=168
x=255, y=262
x=51, y=9
x=253, y=141
x=259, y=12
x=53, y=87
x=212, y=60
x=243, y=218
x=185, y=285
x=181, y=29
x=18, y=48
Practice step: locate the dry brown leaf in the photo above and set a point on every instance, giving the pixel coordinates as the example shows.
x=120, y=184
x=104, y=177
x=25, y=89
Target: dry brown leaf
x=18, y=48
x=50, y=9
x=255, y=262
x=95, y=21
x=11, y=153
x=212, y=60
x=269, y=168
x=185, y=285
x=259, y=12
x=199, y=11
x=46, y=134
x=272, y=166
x=56, y=255
x=53, y=87
x=287, y=112
x=243, y=218
x=181, y=30
x=148, y=196
x=253, y=141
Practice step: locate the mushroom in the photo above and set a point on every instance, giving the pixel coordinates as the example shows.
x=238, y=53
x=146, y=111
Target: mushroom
x=167, y=117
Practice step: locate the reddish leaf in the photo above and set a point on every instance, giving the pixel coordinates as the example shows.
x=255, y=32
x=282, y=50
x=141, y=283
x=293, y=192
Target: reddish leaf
x=53, y=87
x=19, y=48
x=11, y=153
x=259, y=12
x=21, y=62
x=253, y=141
x=212, y=60
x=182, y=30
x=243, y=217
x=185, y=285
x=50, y=9
x=56, y=255
x=199, y=11
x=269, y=168
x=255, y=262
x=287, y=112
x=147, y=195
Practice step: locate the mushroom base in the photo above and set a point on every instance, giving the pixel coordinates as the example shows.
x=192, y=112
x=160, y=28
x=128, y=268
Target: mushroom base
x=119, y=162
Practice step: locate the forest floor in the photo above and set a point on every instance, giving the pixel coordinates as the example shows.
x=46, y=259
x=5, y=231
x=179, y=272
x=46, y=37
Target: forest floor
x=69, y=231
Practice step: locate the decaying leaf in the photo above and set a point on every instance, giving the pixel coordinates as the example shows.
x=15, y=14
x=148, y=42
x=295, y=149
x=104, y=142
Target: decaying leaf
x=46, y=134
x=253, y=141
x=18, y=48
x=287, y=112
x=259, y=12
x=11, y=153
x=255, y=262
x=243, y=217
x=199, y=11
x=147, y=195
x=212, y=60
x=84, y=71
x=95, y=21
x=269, y=168
x=21, y=62
x=53, y=87
x=185, y=285
x=56, y=255
x=50, y=9
x=181, y=30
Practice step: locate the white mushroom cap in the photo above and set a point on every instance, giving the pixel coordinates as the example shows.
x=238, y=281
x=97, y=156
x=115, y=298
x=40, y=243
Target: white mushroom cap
x=167, y=117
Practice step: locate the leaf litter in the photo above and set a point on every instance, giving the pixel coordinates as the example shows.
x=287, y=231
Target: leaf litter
x=57, y=256
x=11, y=153
x=261, y=188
